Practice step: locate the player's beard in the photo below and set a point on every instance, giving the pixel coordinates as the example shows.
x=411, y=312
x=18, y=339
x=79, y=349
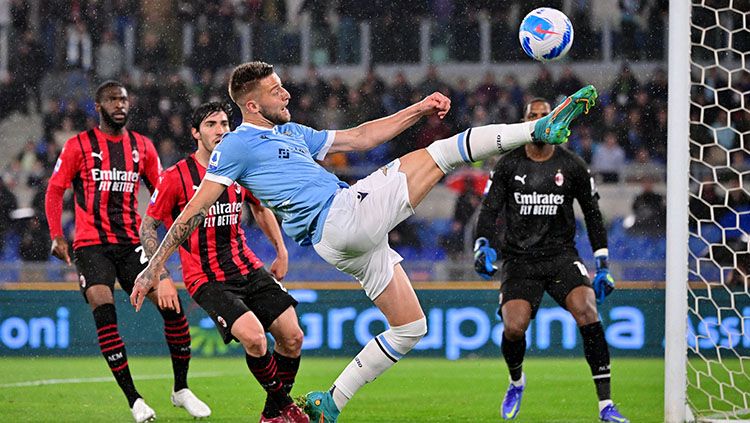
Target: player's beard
x=111, y=122
x=278, y=118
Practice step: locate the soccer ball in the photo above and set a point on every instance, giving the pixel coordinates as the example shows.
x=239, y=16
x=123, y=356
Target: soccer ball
x=546, y=34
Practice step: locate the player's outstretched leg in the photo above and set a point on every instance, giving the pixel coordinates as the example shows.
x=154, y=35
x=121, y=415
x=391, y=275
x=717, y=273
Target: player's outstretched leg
x=320, y=407
x=512, y=399
x=481, y=142
x=611, y=414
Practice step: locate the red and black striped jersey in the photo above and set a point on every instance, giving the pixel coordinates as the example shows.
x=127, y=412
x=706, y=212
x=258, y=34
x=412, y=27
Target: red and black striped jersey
x=105, y=172
x=217, y=250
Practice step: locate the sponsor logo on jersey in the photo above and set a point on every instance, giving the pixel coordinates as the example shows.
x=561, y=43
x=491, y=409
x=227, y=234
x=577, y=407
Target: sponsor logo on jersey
x=538, y=204
x=283, y=153
x=115, y=180
x=222, y=214
x=521, y=179
x=559, y=179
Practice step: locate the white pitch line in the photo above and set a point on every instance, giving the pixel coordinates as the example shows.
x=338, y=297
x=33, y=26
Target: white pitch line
x=43, y=382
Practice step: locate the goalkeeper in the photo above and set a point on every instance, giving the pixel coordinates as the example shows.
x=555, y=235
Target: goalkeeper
x=527, y=214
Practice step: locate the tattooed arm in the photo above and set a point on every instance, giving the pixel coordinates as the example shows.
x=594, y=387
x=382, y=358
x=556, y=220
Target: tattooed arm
x=166, y=293
x=192, y=215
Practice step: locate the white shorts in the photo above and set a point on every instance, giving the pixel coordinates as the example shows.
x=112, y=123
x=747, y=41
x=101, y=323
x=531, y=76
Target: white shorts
x=355, y=233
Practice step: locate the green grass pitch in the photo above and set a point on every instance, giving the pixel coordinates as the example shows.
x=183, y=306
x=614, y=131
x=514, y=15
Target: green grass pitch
x=415, y=390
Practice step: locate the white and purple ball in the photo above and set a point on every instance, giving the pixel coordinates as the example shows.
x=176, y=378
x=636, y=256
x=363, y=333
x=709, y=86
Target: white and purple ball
x=546, y=34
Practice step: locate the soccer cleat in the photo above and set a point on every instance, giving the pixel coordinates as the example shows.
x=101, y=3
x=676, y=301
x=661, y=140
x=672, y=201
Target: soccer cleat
x=186, y=399
x=320, y=407
x=142, y=412
x=553, y=128
x=611, y=414
x=277, y=419
x=293, y=414
x=512, y=402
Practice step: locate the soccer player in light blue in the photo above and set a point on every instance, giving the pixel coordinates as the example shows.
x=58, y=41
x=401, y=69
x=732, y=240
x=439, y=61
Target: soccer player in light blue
x=346, y=225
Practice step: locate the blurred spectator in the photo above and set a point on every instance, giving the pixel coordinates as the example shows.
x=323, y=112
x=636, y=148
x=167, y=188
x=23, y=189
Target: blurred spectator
x=80, y=47
x=35, y=241
x=583, y=144
x=28, y=66
x=109, y=57
x=649, y=211
x=153, y=55
x=543, y=86
x=608, y=160
x=643, y=167
x=331, y=116
x=8, y=203
x=434, y=129
x=568, y=82
x=624, y=87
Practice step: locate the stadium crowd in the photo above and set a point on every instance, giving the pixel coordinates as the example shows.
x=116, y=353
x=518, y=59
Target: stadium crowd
x=83, y=43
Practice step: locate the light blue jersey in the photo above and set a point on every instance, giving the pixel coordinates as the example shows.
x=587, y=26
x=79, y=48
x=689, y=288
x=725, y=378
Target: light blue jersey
x=278, y=165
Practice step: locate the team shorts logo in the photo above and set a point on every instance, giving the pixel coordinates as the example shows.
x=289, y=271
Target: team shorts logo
x=213, y=161
x=559, y=180
x=82, y=281
x=221, y=321
x=136, y=156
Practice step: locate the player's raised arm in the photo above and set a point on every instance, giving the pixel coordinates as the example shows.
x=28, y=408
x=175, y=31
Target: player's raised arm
x=270, y=227
x=193, y=215
x=376, y=132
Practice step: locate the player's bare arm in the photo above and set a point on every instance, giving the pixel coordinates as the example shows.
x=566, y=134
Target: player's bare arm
x=376, y=132
x=193, y=215
x=270, y=227
x=166, y=292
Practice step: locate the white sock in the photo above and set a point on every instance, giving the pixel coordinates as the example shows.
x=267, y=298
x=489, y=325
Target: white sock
x=603, y=404
x=370, y=363
x=479, y=143
x=519, y=382
x=376, y=357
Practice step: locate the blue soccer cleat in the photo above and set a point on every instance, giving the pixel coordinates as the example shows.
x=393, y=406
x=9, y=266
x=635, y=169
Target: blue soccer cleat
x=553, y=128
x=320, y=407
x=611, y=414
x=512, y=402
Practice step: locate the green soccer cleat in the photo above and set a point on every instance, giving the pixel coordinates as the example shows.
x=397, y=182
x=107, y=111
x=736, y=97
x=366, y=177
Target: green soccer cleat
x=320, y=407
x=553, y=128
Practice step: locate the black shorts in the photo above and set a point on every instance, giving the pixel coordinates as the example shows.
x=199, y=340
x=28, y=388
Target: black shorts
x=524, y=280
x=259, y=292
x=102, y=264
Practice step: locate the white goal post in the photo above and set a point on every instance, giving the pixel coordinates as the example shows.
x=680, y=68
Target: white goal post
x=707, y=339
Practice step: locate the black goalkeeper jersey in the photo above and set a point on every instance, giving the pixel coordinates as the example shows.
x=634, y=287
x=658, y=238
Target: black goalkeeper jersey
x=528, y=210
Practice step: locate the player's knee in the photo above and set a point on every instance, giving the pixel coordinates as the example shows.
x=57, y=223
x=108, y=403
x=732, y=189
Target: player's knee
x=403, y=338
x=291, y=343
x=255, y=342
x=514, y=329
x=586, y=316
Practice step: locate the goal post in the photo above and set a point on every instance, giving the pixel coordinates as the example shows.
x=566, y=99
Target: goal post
x=707, y=339
x=678, y=162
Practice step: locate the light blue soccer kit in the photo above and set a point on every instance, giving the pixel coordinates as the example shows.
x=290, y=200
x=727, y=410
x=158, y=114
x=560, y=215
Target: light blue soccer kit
x=347, y=226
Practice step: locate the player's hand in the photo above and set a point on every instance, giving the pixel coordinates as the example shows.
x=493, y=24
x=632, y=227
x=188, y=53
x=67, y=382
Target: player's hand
x=604, y=283
x=280, y=266
x=435, y=103
x=484, y=258
x=166, y=295
x=60, y=249
x=144, y=282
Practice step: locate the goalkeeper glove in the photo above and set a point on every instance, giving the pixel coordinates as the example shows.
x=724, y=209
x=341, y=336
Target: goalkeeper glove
x=484, y=258
x=604, y=283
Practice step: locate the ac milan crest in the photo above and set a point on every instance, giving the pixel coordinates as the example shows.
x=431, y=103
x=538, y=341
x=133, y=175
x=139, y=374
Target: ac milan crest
x=136, y=156
x=559, y=179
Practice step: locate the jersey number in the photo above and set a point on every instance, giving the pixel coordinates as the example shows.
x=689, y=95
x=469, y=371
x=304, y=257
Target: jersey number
x=143, y=259
x=581, y=268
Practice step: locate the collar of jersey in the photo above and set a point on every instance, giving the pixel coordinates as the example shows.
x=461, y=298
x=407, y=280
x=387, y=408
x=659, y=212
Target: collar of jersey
x=259, y=128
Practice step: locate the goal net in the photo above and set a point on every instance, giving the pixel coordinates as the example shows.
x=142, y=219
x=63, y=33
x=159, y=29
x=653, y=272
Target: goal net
x=708, y=360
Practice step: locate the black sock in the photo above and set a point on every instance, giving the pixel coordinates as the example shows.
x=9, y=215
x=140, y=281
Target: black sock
x=596, y=350
x=287, y=371
x=265, y=370
x=513, y=351
x=177, y=334
x=113, y=350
